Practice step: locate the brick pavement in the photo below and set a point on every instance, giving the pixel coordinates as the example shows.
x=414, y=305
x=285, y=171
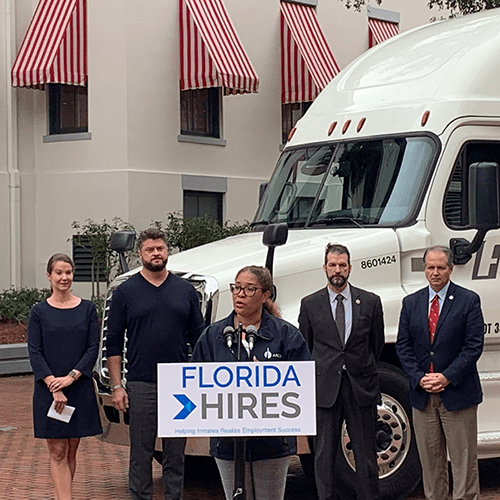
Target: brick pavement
x=102, y=467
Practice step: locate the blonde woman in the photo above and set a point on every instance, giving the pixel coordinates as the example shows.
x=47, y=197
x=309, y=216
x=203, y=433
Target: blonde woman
x=63, y=341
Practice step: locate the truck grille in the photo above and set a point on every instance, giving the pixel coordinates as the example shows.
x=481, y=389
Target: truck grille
x=207, y=290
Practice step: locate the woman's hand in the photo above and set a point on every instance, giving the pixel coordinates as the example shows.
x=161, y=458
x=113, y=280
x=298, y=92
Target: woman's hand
x=60, y=401
x=59, y=383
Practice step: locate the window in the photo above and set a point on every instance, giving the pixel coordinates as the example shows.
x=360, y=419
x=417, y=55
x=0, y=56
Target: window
x=202, y=204
x=371, y=181
x=290, y=115
x=68, y=111
x=456, y=210
x=201, y=111
x=83, y=260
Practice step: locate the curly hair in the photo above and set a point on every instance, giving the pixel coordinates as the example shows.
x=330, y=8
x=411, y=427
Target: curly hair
x=265, y=280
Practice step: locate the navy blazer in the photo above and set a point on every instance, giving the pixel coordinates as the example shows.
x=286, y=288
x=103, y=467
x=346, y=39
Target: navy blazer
x=360, y=353
x=457, y=345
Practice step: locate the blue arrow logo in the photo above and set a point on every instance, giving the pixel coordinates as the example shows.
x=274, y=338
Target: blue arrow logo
x=189, y=406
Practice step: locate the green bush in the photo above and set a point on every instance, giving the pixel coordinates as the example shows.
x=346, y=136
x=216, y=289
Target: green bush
x=15, y=303
x=185, y=232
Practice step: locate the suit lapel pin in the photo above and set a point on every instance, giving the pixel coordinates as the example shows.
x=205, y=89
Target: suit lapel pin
x=358, y=301
x=451, y=297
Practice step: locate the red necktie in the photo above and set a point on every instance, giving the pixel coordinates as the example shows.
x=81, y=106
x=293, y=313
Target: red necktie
x=433, y=319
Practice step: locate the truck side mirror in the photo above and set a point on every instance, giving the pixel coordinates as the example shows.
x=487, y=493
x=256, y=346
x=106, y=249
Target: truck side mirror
x=484, y=209
x=484, y=196
x=274, y=236
x=121, y=242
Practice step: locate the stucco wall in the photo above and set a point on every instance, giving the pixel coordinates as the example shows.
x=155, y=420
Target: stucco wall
x=133, y=164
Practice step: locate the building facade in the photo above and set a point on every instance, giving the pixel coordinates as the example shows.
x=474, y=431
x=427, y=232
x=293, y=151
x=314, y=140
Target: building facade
x=115, y=108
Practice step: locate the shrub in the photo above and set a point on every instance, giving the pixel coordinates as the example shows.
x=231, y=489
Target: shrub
x=189, y=232
x=15, y=303
x=95, y=236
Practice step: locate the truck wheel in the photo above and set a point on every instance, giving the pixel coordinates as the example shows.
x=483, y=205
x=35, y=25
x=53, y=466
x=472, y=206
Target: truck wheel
x=398, y=462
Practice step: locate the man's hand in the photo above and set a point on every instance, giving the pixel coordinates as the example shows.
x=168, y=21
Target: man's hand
x=119, y=399
x=434, y=382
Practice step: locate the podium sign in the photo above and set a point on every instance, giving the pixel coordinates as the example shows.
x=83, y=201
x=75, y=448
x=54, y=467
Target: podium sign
x=236, y=399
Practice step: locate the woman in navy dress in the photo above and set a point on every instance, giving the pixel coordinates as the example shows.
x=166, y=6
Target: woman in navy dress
x=63, y=342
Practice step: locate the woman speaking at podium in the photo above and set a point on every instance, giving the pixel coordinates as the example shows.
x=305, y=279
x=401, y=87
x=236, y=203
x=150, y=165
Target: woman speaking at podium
x=266, y=337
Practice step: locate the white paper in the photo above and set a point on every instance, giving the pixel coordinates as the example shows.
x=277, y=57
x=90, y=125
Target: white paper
x=64, y=416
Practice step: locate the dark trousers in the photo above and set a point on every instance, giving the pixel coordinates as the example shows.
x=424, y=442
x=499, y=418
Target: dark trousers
x=361, y=425
x=143, y=428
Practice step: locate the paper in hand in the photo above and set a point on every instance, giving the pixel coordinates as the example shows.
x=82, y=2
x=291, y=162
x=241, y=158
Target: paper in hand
x=64, y=416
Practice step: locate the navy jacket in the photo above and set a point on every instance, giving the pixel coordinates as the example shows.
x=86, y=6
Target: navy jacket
x=277, y=340
x=458, y=344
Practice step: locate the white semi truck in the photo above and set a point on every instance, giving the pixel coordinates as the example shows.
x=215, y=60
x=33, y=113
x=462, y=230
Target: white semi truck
x=399, y=152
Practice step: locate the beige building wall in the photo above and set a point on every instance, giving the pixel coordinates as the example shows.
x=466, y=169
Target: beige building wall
x=133, y=164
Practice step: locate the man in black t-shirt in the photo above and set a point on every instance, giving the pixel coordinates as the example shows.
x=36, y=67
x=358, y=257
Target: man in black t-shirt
x=161, y=315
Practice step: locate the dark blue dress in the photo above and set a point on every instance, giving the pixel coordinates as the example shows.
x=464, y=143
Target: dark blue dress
x=60, y=340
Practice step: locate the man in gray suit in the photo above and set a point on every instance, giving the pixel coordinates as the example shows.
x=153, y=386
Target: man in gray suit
x=344, y=329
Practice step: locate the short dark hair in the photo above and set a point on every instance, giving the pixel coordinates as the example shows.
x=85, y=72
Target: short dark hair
x=337, y=249
x=440, y=248
x=151, y=233
x=58, y=257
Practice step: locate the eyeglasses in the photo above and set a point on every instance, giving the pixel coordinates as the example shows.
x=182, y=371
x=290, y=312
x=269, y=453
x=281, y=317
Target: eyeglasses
x=249, y=291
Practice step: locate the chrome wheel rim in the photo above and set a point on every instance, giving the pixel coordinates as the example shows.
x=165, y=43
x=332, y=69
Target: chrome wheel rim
x=393, y=437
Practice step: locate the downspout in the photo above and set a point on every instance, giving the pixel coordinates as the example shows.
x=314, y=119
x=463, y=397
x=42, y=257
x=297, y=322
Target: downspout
x=12, y=158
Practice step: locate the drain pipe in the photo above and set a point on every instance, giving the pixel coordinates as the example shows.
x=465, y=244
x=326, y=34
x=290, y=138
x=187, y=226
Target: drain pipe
x=14, y=178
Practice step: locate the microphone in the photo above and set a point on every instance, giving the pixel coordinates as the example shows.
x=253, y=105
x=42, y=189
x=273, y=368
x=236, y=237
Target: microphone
x=228, y=336
x=251, y=336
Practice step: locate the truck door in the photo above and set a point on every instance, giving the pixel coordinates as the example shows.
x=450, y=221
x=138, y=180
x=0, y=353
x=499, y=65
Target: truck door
x=447, y=217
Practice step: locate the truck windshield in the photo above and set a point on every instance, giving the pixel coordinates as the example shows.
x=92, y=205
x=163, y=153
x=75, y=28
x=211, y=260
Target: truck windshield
x=376, y=182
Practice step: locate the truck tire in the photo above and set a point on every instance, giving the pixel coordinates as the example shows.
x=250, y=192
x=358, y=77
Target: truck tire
x=399, y=465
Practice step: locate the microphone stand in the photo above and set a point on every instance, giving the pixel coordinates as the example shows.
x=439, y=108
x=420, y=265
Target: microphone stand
x=240, y=444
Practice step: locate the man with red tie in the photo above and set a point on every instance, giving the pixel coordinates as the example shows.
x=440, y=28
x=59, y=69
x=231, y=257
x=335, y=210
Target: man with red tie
x=440, y=339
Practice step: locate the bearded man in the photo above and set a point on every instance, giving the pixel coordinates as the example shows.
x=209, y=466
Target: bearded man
x=344, y=329
x=161, y=314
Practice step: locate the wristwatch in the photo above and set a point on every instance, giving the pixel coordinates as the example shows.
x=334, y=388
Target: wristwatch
x=115, y=387
x=72, y=374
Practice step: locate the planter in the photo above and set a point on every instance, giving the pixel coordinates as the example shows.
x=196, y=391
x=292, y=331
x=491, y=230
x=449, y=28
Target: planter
x=14, y=359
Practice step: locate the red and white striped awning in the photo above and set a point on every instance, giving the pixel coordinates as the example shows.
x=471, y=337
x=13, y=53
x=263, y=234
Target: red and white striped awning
x=307, y=63
x=54, y=49
x=381, y=30
x=211, y=54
